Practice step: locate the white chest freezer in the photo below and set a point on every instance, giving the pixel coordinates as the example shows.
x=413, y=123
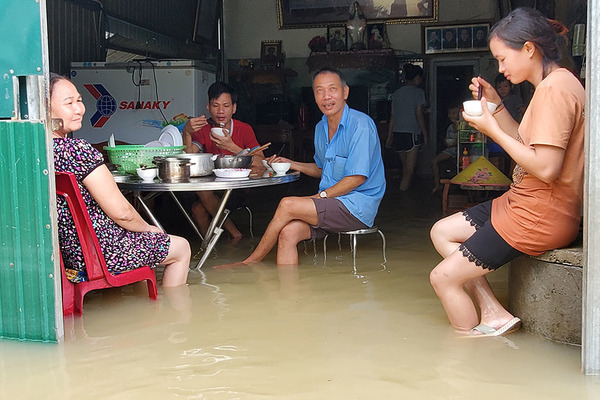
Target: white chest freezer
x=135, y=100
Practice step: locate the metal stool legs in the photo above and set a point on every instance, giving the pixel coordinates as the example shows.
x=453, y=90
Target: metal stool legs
x=249, y=215
x=353, y=241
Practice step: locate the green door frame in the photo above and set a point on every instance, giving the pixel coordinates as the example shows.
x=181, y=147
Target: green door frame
x=30, y=279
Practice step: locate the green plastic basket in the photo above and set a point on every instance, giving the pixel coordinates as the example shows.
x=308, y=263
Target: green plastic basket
x=129, y=157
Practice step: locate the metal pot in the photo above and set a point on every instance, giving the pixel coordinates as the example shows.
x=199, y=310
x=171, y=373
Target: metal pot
x=232, y=161
x=202, y=163
x=173, y=169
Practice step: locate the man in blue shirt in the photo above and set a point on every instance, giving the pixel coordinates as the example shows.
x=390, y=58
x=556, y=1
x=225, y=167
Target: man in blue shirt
x=348, y=161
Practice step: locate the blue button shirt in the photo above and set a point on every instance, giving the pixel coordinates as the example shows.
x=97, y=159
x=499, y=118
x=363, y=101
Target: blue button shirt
x=354, y=150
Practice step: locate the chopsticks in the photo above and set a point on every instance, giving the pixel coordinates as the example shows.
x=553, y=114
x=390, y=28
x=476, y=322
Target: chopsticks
x=280, y=150
x=263, y=147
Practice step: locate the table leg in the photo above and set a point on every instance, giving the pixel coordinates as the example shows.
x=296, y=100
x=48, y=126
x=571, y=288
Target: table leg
x=215, y=221
x=138, y=196
x=209, y=247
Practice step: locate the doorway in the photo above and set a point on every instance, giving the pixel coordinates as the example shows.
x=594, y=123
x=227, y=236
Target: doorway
x=449, y=83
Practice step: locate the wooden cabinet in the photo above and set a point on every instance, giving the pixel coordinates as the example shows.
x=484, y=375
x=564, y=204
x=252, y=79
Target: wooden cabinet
x=263, y=95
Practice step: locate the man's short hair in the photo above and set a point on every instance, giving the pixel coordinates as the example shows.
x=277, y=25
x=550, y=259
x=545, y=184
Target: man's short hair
x=331, y=70
x=218, y=88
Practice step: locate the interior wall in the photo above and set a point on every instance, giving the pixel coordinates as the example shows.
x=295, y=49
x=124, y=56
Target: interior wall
x=247, y=23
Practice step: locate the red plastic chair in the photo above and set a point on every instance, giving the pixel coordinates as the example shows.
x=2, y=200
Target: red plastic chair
x=97, y=272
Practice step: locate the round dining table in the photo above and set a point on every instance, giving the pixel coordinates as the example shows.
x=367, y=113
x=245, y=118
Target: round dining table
x=143, y=191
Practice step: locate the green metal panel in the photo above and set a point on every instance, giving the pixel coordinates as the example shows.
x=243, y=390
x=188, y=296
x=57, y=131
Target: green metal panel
x=20, y=47
x=27, y=287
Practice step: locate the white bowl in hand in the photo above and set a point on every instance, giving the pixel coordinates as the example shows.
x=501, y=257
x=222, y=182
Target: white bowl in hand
x=147, y=174
x=281, y=168
x=217, y=131
x=473, y=107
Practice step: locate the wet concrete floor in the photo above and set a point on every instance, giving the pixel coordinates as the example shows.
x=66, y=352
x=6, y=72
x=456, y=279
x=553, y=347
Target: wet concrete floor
x=309, y=332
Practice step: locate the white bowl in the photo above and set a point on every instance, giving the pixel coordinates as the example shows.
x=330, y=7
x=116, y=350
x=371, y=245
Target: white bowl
x=147, y=174
x=281, y=167
x=473, y=107
x=217, y=131
x=232, y=172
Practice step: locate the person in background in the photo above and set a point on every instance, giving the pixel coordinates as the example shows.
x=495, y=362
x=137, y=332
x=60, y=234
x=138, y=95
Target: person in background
x=513, y=102
x=197, y=137
x=450, y=152
x=348, y=162
x=407, y=130
x=127, y=241
x=542, y=208
x=516, y=108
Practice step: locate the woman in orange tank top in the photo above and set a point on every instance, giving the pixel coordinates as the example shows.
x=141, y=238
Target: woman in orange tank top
x=542, y=209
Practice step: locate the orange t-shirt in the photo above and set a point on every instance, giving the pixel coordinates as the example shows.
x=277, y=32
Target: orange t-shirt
x=534, y=216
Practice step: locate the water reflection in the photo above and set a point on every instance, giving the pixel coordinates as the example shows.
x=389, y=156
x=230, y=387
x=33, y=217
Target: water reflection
x=311, y=331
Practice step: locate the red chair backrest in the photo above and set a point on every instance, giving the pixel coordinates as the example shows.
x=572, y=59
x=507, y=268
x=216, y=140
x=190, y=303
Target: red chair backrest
x=67, y=187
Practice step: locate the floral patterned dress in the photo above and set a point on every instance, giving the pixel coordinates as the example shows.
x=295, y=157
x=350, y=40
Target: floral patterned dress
x=123, y=250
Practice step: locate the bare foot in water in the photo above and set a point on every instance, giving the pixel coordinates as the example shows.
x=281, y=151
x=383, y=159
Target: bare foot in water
x=232, y=265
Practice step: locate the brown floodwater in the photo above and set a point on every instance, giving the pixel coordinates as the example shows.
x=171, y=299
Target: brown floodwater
x=308, y=332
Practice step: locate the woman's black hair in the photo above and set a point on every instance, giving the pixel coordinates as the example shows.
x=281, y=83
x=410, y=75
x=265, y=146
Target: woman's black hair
x=528, y=25
x=411, y=71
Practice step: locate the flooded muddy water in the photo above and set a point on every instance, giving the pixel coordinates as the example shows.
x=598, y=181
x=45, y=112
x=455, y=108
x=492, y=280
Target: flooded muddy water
x=308, y=332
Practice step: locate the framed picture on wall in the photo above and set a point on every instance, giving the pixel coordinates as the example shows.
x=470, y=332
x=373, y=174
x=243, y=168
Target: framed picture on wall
x=270, y=52
x=455, y=38
x=314, y=13
x=375, y=36
x=337, y=38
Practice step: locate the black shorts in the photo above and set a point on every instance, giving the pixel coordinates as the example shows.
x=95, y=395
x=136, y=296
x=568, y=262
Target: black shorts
x=406, y=141
x=486, y=247
x=334, y=217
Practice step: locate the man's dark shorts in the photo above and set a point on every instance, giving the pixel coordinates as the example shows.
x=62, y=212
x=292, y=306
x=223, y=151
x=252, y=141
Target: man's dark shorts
x=333, y=217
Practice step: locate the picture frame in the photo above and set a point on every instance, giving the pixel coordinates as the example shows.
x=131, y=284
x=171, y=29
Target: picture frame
x=376, y=36
x=337, y=38
x=293, y=14
x=456, y=38
x=270, y=53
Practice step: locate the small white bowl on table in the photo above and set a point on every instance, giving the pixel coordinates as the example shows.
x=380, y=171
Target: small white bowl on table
x=281, y=168
x=147, y=174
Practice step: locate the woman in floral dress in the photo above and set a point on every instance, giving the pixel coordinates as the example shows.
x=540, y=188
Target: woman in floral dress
x=127, y=241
